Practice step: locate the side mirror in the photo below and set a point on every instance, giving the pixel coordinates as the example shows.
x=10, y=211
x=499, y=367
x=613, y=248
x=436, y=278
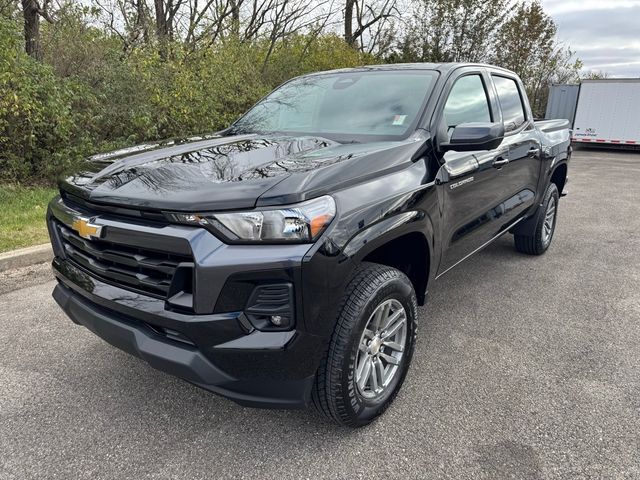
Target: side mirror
x=468, y=137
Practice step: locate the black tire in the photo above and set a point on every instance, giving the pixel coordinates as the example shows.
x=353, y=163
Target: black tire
x=538, y=241
x=335, y=393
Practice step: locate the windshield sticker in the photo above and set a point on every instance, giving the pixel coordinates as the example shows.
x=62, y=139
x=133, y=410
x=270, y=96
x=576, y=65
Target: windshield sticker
x=399, y=119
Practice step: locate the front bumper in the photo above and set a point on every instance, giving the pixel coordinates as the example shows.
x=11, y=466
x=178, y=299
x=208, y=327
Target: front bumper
x=220, y=351
x=258, y=369
x=139, y=340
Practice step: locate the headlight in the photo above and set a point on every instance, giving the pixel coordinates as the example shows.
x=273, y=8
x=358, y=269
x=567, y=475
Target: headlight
x=301, y=223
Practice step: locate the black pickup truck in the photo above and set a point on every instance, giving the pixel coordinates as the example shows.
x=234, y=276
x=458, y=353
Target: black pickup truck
x=281, y=262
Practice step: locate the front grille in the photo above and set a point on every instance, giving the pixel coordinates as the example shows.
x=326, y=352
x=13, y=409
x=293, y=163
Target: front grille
x=88, y=207
x=146, y=270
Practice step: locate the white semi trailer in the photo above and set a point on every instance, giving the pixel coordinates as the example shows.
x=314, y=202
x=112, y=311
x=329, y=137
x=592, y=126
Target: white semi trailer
x=608, y=112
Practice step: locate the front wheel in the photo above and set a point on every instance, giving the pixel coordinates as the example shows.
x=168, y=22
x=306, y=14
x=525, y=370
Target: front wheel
x=537, y=242
x=370, y=349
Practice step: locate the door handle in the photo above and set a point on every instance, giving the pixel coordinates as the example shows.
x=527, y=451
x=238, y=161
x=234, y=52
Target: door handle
x=533, y=152
x=499, y=162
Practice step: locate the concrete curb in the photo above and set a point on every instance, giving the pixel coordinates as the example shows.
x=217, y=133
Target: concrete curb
x=25, y=257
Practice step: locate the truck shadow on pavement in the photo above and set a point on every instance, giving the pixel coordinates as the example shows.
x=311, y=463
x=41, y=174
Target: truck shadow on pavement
x=127, y=389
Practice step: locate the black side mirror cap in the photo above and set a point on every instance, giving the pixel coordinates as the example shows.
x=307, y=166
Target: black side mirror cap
x=468, y=137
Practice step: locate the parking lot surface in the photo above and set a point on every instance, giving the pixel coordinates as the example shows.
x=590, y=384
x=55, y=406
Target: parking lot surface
x=525, y=368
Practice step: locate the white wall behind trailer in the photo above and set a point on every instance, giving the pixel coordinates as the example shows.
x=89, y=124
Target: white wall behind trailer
x=608, y=112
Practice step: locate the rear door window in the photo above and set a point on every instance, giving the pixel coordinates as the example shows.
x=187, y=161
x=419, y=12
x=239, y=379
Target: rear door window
x=510, y=100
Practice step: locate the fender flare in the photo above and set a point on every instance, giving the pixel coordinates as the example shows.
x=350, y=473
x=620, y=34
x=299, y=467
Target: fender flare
x=390, y=229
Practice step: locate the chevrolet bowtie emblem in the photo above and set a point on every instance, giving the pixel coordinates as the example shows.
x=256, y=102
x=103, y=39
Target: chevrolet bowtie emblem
x=86, y=229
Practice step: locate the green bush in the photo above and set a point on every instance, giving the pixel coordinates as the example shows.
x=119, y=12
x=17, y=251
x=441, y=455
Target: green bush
x=37, y=129
x=90, y=96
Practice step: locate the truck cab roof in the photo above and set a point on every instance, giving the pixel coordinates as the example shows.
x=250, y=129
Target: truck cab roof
x=443, y=68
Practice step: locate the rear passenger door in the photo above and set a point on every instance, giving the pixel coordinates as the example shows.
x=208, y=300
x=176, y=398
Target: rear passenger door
x=517, y=179
x=468, y=184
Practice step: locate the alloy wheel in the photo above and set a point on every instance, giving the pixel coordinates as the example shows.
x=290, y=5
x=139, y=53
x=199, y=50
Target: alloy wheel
x=549, y=221
x=381, y=349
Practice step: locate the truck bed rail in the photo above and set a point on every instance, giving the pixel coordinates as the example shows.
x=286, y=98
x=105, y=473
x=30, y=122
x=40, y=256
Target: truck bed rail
x=549, y=126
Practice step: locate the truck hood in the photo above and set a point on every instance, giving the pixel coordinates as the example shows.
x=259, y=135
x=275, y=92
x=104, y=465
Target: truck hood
x=222, y=172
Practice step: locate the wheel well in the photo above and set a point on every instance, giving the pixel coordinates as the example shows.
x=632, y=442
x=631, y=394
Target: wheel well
x=410, y=255
x=559, y=177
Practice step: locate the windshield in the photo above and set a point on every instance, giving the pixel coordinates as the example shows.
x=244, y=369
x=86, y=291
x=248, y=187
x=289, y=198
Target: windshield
x=376, y=103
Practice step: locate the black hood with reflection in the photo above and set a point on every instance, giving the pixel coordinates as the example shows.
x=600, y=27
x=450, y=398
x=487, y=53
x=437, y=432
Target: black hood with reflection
x=206, y=173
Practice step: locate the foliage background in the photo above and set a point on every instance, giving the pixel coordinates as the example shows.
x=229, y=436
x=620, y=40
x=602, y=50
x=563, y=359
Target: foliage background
x=103, y=77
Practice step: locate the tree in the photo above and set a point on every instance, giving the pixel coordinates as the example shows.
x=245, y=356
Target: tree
x=517, y=35
x=166, y=12
x=450, y=31
x=526, y=43
x=367, y=15
x=129, y=20
x=595, y=75
x=32, y=10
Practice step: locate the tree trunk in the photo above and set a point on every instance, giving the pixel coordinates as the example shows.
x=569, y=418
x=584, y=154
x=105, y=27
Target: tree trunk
x=141, y=23
x=162, y=28
x=348, y=22
x=235, y=19
x=31, y=29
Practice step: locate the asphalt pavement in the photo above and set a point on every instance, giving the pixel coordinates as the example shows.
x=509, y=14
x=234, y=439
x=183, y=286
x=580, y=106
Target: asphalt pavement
x=525, y=368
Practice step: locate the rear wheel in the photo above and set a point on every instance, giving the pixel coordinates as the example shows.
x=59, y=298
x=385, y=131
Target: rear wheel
x=371, y=348
x=539, y=240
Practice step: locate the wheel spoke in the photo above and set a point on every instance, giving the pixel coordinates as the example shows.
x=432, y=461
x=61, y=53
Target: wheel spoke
x=364, y=371
x=392, y=319
x=391, y=331
x=379, y=372
x=377, y=318
x=374, y=379
x=551, y=211
x=394, y=346
x=361, y=365
x=392, y=360
x=382, y=314
x=368, y=334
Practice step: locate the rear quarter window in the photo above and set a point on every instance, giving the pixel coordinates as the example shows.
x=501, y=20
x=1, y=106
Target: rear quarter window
x=510, y=100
